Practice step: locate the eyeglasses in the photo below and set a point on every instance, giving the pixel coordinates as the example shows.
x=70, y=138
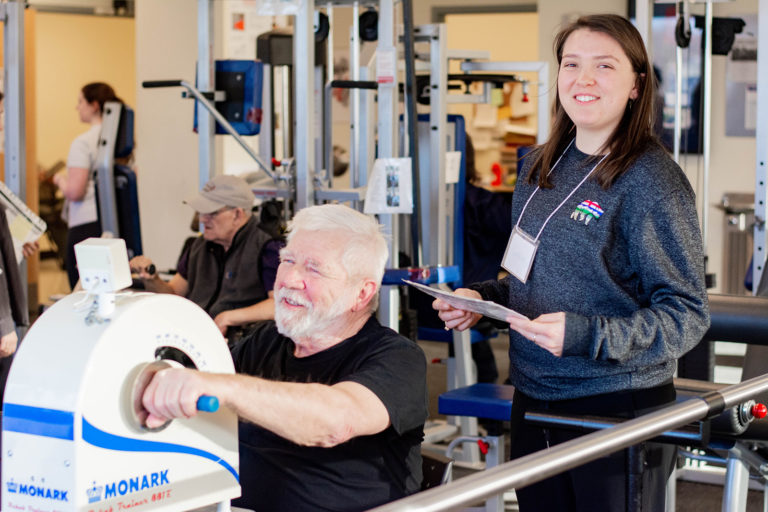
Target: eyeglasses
x=213, y=215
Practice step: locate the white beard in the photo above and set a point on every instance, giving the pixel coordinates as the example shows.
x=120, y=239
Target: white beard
x=308, y=322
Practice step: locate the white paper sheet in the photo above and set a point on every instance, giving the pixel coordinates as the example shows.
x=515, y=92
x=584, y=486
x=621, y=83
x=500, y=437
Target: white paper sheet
x=390, y=188
x=24, y=224
x=484, y=307
x=452, y=166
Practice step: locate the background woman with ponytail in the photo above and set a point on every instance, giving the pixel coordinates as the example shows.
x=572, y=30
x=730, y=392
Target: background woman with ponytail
x=76, y=184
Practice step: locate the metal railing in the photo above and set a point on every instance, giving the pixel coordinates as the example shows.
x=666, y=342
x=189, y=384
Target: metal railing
x=540, y=465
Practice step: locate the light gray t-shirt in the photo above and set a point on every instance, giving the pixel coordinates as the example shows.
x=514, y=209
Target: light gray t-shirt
x=82, y=154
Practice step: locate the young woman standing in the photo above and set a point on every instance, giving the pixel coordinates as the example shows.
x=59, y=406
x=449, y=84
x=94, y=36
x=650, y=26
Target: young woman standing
x=606, y=263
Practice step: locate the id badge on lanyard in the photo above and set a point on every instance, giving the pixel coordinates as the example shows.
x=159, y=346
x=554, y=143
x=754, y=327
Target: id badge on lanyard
x=522, y=247
x=518, y=258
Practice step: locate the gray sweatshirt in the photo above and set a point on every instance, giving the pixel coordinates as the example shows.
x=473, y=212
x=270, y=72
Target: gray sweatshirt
x=625, y=265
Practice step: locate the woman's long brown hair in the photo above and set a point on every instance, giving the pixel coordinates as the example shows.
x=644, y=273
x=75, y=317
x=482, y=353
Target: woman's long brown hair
x=634, y=132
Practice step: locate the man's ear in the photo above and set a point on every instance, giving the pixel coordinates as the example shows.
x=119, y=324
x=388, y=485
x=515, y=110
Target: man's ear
x=365, y=294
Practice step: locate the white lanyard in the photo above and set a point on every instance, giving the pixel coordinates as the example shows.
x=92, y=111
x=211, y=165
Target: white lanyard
x=521, y=248
x=517, y=225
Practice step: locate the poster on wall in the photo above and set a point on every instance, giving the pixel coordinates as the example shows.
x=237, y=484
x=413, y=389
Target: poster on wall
x=741, y=82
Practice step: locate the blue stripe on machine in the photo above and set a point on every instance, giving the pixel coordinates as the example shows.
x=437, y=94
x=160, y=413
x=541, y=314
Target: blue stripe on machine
x=97, y=437
x=39, y=421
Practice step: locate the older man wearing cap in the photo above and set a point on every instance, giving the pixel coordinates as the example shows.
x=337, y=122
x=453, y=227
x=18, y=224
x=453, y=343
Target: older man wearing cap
x=231, y=269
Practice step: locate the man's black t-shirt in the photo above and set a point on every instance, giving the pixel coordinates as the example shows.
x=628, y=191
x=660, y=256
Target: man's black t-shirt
x=277, y=474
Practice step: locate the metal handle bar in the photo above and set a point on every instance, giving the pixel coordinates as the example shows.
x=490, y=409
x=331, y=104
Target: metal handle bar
x=354, y=84
x=538, y=466
x=151, y=84
x=215, y=113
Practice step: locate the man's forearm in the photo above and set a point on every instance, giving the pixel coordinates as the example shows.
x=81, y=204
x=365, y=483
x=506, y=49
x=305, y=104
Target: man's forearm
x=307, y=414
x=157, y=285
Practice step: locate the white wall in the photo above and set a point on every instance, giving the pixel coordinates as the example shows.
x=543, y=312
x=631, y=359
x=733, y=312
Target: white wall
x=61, y=40
x=166, y=149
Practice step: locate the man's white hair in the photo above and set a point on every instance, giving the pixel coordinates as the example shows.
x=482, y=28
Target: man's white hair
x=365, y=250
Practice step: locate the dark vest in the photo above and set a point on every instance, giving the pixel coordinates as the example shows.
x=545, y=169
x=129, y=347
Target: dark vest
x=218, y=280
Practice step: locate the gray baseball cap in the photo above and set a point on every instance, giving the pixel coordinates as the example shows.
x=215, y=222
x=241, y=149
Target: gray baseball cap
x=222, y=191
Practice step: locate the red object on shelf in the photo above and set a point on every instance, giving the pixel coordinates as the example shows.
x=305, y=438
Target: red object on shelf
x=759, y=411
x=496, y=170
x=483, y=446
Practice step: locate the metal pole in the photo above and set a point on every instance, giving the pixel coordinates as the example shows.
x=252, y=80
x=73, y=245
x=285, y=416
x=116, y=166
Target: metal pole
x=15, y=108
x=304, y=127
x=15, y=126
x=706, y=122
x=354, y=99
x=285, y=111
x=105, y=162
x=205, y=82
x=389, y=309
x=737, y=483
x=436, y=235
x=643, y=16
x=328, y=102
x=413, y=124
x=266, y=133
x=557, y=459
x=761, y=136
x=387, y=93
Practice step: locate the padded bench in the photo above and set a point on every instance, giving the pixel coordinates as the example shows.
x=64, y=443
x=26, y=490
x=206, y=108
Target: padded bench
x=481, y=400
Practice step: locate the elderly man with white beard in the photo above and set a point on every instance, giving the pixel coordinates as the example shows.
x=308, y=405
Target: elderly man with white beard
x=332, y=404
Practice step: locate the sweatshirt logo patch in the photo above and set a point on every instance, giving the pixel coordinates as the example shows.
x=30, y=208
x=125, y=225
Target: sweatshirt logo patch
x=586, y=211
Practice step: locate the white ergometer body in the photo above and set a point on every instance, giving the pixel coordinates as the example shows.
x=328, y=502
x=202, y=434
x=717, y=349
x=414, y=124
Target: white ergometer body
x=71, y=440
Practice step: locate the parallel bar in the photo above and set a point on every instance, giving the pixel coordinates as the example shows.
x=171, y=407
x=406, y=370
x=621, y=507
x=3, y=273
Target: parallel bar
x=540, y=465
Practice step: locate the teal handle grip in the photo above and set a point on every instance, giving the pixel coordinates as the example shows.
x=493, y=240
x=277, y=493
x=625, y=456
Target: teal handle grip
x=208, y=403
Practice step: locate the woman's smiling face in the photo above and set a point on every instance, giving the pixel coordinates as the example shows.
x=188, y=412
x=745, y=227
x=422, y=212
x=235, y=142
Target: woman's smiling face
x=594, y=83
